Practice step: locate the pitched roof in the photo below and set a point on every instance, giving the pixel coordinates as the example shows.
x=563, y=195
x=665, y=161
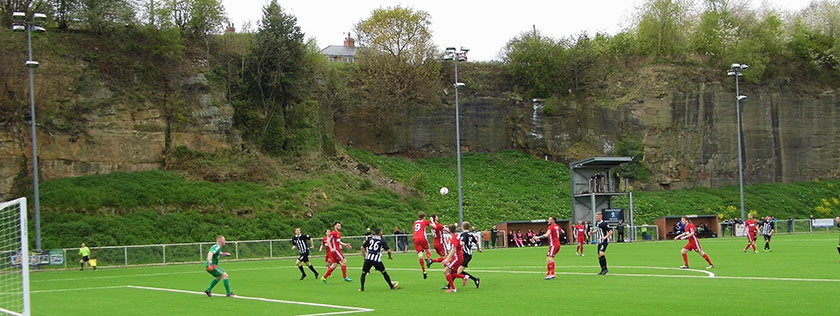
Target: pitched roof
x=339, y=50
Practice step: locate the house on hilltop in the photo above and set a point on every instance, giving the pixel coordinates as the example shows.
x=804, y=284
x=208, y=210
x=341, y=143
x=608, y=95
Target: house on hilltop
x=342, y=53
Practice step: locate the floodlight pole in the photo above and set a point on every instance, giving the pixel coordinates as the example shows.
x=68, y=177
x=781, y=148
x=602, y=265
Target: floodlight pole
x=738, y=71
x=31, y=64
x=456, y=57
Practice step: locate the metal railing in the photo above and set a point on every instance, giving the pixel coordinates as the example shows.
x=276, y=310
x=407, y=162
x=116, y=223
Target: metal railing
x=240, y=250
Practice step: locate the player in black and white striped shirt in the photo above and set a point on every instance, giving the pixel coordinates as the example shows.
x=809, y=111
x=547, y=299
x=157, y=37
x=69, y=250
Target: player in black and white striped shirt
x=603, y=233
x=303, y=243
x=767, y=230
x=468, y=241
x=372, y=251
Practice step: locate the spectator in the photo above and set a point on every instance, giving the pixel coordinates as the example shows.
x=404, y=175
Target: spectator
x=587, y=226
x=517, y=239
x=539, y=241
x=485, y=237
x=530, y=237
x=620, y=229
x=811, y=223
x=368, y=234
x=599, y=182
x=511, y=241
x=494, y=233
x=400, y=236
x=790, y=224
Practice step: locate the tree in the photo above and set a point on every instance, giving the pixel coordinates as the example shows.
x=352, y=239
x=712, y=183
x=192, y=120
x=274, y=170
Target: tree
x=636, y=169
x=662, y=26
x=206, y=17
x=100, y=16
x=398, y=64
x=275, y=111
x=533, y=63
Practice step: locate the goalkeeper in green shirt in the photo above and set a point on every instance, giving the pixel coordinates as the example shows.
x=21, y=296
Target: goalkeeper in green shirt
x=211, y=265
x=84, y=251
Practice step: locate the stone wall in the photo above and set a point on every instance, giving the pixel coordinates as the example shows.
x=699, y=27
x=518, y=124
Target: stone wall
x=118, y=137
x=689, y=135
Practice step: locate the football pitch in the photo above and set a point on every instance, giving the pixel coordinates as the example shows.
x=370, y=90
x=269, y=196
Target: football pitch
x=800, y=276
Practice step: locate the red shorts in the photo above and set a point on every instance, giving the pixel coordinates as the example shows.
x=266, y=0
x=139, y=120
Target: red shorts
x=692, y=245
x=552, y=250
x=335, y=256
x=421, y=244
x=454, y=263
x=439, y=249
x=581, y=239
x=751, y=237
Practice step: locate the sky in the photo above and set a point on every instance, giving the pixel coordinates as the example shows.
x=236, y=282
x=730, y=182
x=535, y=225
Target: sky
x=482, y=26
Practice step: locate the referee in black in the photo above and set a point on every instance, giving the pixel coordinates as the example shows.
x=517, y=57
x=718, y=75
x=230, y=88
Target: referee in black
x=603, y=232
x=303, y=243
x=372, y=251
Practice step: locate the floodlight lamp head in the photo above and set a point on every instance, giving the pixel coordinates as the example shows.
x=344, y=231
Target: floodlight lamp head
x=38, y=29
x=18, y=15
x=459, y=84
x=742, y=97
x=464, y=49
x=731, y=73
x=450, y=49
x=447, y=57
x=18, y=27
x=745, y=66
x=31, y=64
x=40, y=17
x=462, y=58
x=736, y=66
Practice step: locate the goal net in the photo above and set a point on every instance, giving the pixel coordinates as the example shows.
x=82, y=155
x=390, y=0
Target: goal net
x=14, y=258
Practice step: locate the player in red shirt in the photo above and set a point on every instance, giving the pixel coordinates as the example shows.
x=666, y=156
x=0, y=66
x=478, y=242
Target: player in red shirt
x=553, y=235
x=690, y=233
x=334, y=245
x=453, y=260
x=580, y=231
x=437, y=235
x=324, y=245
x=421, y=244
x=751, y=226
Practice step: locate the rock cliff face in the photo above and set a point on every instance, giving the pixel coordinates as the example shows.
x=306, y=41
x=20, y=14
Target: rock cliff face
x=118, y=136
x=690, y=136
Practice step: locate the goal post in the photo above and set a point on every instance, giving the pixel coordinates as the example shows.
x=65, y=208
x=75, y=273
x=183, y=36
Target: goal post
x=14, y=258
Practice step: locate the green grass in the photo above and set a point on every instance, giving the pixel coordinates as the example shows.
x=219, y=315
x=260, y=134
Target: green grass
x=512, y=284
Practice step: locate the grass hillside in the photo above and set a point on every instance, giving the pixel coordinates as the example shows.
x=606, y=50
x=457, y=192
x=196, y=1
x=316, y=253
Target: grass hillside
x=164, y=207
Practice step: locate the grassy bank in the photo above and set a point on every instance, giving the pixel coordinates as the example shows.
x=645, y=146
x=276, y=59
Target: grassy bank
x=164, y=207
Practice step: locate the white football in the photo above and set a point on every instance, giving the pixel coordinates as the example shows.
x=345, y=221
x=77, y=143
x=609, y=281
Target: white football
x=444, y=191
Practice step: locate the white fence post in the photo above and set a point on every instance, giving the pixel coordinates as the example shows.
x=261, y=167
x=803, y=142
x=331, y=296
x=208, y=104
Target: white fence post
x=164, y=253
x=236, y=245
x=271, y=249
x=125, y=255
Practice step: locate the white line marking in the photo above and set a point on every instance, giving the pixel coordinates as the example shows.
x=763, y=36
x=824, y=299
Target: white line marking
x=349, y=309
x=155, y=274
x=81, y=289
x=711, y=275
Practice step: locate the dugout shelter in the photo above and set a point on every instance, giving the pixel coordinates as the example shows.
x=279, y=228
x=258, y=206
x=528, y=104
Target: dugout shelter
x=666, y=225
x=534, y=225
